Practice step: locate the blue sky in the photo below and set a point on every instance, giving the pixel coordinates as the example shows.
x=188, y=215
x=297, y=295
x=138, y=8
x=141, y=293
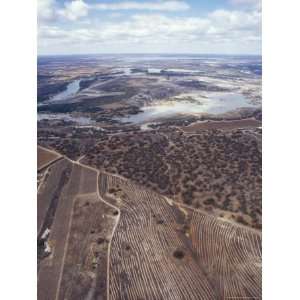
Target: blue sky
x=149, y=26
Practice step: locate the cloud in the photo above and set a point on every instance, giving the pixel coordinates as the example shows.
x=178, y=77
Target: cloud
x=74, y=10
x=115, y=15
x=68, y=27
x=242, y=2
x=52, y=32
x=246, y=3
x=236, y=20
x=46, y=10
x=170, y=6
x=49, y=10
x=221, y=31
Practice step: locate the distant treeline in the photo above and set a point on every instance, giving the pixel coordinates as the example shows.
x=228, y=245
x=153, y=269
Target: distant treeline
x=85, y=83
x=45, y=91
x=68, y=108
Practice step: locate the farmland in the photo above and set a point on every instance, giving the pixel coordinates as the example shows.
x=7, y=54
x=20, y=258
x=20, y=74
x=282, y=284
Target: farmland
x=108, y=237
x=45, y=157
x=69, y=211
x=219, y=260
x=149, y=177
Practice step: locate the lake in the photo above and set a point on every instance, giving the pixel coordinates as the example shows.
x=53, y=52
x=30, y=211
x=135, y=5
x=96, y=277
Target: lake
x=193, y=104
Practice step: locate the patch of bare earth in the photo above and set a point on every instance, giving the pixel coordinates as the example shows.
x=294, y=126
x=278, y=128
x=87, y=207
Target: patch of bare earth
x=224, y=125
x=74, y=231
x=45, y=157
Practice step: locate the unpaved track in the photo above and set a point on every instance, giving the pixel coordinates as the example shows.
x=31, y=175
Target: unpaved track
x=158, y=277
x=51, y=272
x=45, y=157
x=116, y=223
x=221, y=260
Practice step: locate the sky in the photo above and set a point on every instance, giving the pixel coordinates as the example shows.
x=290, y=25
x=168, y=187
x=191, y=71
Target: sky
x=149, y=26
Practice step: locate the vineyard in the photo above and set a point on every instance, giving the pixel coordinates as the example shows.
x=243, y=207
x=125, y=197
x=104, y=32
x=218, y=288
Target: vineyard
x=101, y=236
x=163, y=250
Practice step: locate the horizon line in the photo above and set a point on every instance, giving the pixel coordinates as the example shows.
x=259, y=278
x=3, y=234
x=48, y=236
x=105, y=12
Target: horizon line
x=152, y=53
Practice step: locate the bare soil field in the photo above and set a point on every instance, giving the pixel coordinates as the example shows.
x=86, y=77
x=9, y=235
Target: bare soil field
x=45, y=157
x=162, y=250
x=74, y=230
x=55, y=179
x=224, y=125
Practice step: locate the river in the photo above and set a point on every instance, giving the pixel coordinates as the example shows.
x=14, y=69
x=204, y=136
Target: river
x=72, y=89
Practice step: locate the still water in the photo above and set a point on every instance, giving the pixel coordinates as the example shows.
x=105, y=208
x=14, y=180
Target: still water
x=72, y=89
x=211, y=103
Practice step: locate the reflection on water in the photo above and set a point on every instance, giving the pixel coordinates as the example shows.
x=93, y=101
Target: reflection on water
x=212, y=103
x=72, y=89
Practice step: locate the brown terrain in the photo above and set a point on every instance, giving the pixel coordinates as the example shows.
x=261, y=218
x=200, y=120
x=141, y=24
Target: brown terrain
x=163, y=250
x=74, y=230
x=140, y=208
x=215, y=170
x=103, y=237
x=45, y=157
x=224, y=125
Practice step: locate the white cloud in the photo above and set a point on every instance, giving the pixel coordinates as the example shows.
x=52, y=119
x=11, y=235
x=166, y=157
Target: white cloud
x=246, y=4
x=49, y=11
x=115, y=15
x=46, y=10
x=227, y=31
x=236, y=20
x=52, y=32
x=74, y=10
x=135, y=5
x=221, y=31
x=243, y=2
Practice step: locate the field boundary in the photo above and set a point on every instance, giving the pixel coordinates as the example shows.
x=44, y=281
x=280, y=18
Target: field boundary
x=167, y=199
